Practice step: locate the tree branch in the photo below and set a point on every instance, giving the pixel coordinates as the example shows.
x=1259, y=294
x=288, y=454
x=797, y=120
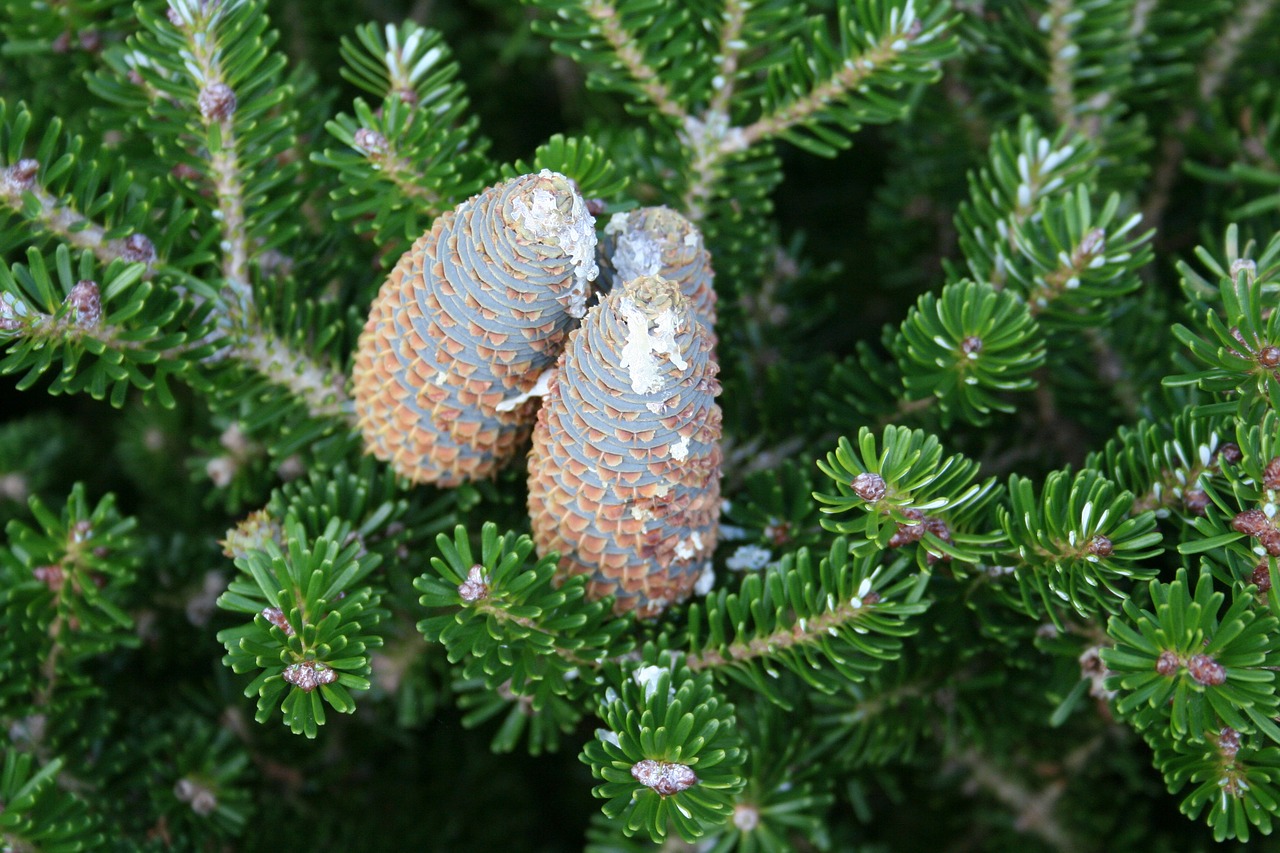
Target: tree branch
x=67, y=224
x=606, y=17
x=1212, y=72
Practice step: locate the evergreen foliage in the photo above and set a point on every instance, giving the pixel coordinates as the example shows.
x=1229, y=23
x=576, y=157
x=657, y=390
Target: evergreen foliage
x=999, y=339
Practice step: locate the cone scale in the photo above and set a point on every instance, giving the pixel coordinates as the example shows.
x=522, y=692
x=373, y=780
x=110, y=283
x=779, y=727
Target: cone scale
x=624, y=472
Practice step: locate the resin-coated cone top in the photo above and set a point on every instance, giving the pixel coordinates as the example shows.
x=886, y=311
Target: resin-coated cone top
x=469, y=319
x=624, y=474
x=659, y=241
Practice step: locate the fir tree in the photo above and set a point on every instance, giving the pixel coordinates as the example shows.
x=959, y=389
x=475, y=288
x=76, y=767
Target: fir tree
x=906, y=424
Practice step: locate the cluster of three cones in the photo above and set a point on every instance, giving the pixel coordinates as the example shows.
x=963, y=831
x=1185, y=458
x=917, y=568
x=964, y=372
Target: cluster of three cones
x=473, y=323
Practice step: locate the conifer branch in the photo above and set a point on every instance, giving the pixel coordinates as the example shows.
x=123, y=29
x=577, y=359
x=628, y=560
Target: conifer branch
x=502, y=614
x=1052, y=285
x=907, y=408
x=216, y=105
x=1034, y=810
x=605, y=15
x=855, y=72
x=1171, y=483
x=72, y=330
x=1062, y=55
x=317, y=384
x=1112, y=370
x=396, y=169
x=703, y=166
x=733, y=18
x=61, y=577
x=1219, y=57
x=804, y=631
x=66, y=223
x=1141, y=17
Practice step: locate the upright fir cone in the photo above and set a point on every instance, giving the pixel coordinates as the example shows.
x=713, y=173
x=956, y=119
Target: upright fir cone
x=659, y=241
x=624, y=474
x=469, y=319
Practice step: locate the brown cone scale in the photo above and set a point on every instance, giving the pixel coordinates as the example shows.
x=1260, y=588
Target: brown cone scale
x=624, y=473
x=471, y=316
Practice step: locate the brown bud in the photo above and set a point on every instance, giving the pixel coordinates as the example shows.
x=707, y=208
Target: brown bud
x=1270, y=540
x=91, y=41
x=217, y=102
x=906, y=534
x=746, y=817
x=309, y=675
x=405, y=93
x=20, y=176
x=1230, y=453
x=1195, y=501
x=476, y=586
x=86, y=304
x=252, y=534
x=870, y=487
x=938, y=528
x=1271, y=474
x=1094, y=243
x=1099, y=546
x=663, y=777
x=1228, y=742
x=1251, y=521
x=51, y=576
x=971, y=345
x=870, y=598
x=1269, y=357
x=1206, y=670
x=138, y=249
x=1168, y=664
x=185, y=172
x=1261, y=577
x=204, y=803
x=371, y=141
x=276, y=617
x=1091, y=662
x=779, y=533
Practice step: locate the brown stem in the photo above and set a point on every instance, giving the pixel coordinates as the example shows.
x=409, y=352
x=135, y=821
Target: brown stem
x=804, y=631
x=68, y=225
x=704, y=167
x=851, y=75
x=606, y=17
x=314, y=382
x=1062, y=53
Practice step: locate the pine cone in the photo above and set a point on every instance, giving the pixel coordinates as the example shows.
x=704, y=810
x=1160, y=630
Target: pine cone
x=659, y=241
x=469, y=319
x=624, y=474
